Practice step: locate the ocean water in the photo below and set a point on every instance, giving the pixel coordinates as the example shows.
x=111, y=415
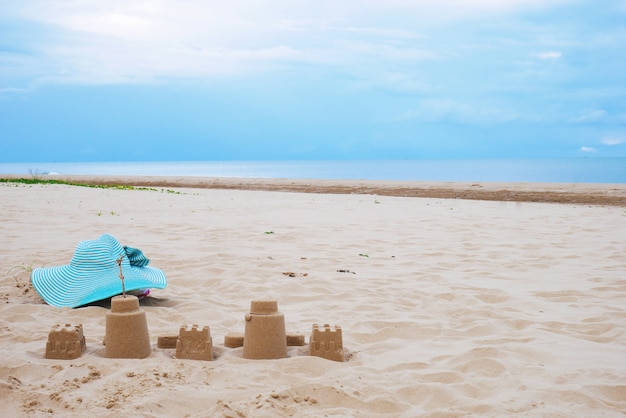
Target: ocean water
x=575, y=170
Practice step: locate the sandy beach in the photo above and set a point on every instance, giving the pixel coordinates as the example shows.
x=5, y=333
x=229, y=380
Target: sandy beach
x=454, y=300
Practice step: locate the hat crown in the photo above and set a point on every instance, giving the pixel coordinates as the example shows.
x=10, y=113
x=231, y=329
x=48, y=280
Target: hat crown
x=99, y=254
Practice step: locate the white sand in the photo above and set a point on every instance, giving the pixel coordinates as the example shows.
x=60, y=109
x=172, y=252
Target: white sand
x=450, y=308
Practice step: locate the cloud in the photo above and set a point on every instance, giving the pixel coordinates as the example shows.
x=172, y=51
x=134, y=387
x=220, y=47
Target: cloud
x=599, y=116
x=13, y=90
x=593, y=116
x=614, y=140
x=401, y=83
x=452, y=111
x=587, y=149
x=382, y=32
x=438, y=11
x=431, y=111
x=549, y=55
x=114, y=41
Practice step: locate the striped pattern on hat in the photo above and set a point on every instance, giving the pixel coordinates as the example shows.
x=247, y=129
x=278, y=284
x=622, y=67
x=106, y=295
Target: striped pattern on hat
x=93, y=274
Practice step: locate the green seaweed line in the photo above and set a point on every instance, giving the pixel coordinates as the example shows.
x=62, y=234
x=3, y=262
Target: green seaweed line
x=72, y=183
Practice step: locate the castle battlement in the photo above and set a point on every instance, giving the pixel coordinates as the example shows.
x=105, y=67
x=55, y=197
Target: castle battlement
x=65, y=342
x=194, y=344
x=327, y=343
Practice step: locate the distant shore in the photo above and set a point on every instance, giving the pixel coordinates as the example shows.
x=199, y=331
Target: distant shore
x=571, y=193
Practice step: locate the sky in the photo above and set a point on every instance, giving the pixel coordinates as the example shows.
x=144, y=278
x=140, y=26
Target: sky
x=165, y=80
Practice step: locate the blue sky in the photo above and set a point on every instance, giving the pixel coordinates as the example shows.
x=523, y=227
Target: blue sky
x=108, y=80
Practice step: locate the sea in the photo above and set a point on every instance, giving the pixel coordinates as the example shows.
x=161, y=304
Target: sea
x=572, y=170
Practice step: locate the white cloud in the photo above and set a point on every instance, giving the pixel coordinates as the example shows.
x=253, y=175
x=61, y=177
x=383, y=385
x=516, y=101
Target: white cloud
x=453, y=10
x=587, y=149
x=385, y=32
x=599, y=116
x=12, y=91
x=550, y=55
x=614, y=140
x=104, y=41
x=436, y=111
x=387, y=52
x=592, y=116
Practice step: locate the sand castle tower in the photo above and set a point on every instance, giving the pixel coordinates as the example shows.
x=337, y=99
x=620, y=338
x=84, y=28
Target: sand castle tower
x=65, y=343
x=126, y=329
x=194, y=344
x=327, y=343
x=265, y=336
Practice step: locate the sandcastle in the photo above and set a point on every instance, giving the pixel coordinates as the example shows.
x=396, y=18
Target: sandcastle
x=194, y=344
x=126, y=329
x=65, y=343
x=265, y=336
x=327, y=343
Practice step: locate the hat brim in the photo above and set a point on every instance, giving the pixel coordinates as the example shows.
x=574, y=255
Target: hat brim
x=66, y=286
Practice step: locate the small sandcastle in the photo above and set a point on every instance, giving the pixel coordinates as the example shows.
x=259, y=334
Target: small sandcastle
x=265, y=336
x=126, y=326
x=65, y=343
x=126, y=329
x=327, y=343
x=194, y=344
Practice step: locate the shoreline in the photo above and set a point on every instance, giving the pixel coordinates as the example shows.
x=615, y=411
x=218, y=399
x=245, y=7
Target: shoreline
x=568, y=193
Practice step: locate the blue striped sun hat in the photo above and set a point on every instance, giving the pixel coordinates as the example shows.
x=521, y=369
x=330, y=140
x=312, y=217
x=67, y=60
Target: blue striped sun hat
x=93, y=274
